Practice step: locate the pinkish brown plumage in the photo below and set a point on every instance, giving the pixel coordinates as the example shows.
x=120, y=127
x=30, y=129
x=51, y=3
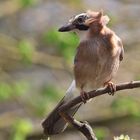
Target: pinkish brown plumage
x=97, y=58
x=98, y=55
x=96, y=62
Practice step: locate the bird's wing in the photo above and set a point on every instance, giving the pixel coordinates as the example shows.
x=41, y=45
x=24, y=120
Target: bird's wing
x=122, y=49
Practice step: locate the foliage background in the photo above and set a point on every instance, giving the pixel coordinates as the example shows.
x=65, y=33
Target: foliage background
x=36, y=68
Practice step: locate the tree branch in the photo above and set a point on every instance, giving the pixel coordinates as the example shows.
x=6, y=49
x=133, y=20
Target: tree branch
x=84, y=127
x=98, y=92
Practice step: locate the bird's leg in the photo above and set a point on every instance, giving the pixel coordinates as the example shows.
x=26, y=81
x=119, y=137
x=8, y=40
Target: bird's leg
x=84, y=95
x=111, y=86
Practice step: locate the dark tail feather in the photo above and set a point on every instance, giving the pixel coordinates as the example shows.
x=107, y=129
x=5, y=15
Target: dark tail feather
x=54, y=123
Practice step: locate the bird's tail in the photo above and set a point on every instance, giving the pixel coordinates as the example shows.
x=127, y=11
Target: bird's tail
x=54, y=123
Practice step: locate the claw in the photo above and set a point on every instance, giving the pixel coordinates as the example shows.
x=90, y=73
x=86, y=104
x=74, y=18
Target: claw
x=112, y=88
x=84, y=96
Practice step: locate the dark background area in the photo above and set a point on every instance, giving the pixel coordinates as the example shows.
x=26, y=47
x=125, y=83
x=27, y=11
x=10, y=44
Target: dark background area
x=36, y=68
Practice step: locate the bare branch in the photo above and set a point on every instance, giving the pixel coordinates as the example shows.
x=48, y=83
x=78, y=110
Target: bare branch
x=84, y=127
x=98, y=92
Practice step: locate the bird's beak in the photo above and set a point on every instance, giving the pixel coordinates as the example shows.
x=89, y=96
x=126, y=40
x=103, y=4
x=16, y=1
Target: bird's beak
x=67, y=27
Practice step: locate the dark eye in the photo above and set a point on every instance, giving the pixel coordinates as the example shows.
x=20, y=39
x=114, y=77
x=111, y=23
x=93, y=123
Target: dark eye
x=80, y=19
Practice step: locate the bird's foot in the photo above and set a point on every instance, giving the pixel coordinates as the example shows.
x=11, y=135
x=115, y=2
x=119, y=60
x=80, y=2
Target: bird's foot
x=112, y=88
x=84, y=96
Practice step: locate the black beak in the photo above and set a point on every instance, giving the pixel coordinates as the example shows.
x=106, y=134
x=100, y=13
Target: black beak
x=67, y=27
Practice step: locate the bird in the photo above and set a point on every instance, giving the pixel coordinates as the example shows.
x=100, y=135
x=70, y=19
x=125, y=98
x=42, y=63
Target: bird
x=96, y=62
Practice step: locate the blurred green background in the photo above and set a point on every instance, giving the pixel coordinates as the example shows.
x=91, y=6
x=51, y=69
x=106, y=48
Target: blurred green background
x=36, y=68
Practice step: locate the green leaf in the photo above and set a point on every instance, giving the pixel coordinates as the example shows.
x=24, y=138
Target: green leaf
x=21, y=129
x=51, y=93
x=5, y=91
x=126, y=105
x=65, y=43
x=8, y=90
x=20, y=87
x=26, y=50
x=101, y=132
x=27, y=3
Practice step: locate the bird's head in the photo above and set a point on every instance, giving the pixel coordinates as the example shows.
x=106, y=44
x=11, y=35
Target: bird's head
x=83, y=21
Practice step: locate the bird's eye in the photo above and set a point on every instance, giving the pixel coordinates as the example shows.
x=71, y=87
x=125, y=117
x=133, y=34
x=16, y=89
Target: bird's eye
x=80, y=19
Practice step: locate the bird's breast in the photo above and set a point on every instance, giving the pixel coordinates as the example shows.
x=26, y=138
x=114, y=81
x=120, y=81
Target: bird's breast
x=94, y=64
